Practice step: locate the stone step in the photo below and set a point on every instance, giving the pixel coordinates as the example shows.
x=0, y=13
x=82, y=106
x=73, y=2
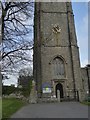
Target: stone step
x=53, y=100
x=46, y=100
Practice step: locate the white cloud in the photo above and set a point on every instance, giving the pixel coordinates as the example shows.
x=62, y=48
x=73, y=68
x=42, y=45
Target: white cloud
x=12, y=80
x=84, y=63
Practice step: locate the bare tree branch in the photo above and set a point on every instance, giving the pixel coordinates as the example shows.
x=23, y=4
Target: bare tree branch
x=16, y=33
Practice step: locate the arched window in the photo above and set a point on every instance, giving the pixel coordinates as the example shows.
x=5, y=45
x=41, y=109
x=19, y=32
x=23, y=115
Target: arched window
x=58, y=66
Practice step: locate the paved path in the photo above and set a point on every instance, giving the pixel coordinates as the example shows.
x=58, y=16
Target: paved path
x=53, y=110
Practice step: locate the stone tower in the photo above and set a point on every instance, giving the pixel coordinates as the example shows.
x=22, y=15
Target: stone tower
x=56, y=54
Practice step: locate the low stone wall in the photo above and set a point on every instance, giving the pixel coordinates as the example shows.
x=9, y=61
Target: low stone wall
x=16, y=96
x=46, y=100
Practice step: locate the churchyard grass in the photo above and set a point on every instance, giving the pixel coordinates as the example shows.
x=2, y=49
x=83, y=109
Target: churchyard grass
x=10, y=106
x=86, y=103
x=0, y=108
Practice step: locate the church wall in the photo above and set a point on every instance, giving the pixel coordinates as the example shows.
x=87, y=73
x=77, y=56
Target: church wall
x=77, y=73
x=75, y=60
x=49, y=38
x=50, y=17
x=85, y=79
x=48, y=53
x=57, y=7
x=49, y=45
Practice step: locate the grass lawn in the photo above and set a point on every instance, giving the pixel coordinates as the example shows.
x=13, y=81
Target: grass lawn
x=0, y=108
x=86, y=103
x=10, y=106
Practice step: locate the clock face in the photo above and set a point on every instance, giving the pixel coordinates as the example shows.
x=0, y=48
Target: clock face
x=56, y=29
x=53, y=37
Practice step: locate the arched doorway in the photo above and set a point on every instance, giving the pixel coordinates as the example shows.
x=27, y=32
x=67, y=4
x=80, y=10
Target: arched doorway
x=59, y=87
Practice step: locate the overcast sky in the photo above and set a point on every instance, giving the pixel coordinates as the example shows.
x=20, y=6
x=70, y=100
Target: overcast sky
x=80, y=10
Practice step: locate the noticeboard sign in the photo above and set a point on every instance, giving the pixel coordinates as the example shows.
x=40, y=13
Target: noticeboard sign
x=46, y=88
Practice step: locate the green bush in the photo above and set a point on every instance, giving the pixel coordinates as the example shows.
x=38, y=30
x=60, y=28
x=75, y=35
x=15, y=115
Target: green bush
x=26, y=90
x=6, y=90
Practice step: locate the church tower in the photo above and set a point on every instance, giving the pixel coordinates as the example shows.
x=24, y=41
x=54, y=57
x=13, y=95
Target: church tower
x=56, y=54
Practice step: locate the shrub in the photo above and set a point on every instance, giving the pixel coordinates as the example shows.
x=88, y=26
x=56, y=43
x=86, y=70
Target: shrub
x=6, y=90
